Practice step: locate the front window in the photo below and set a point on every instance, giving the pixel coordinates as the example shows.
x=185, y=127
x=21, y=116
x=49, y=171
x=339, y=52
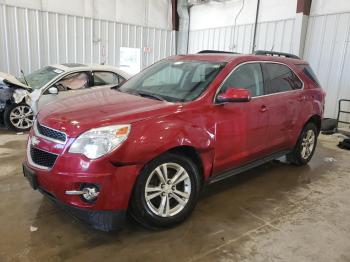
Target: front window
x=106, y=78
x=248, y=76
x=41, y=77
x=174, y=81
x=74, y=81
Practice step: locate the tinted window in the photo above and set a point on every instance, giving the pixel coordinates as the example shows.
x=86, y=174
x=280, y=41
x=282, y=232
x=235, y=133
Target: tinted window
x=248, y=76
x=309, y=73
x=106, y=78
x=279, y=78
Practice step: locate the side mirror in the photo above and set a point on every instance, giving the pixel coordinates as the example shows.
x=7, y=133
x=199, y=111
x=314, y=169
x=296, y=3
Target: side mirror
x=53, y=90
x=233, y=94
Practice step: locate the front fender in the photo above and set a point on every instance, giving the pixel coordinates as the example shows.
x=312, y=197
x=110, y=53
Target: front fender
x=151, y=138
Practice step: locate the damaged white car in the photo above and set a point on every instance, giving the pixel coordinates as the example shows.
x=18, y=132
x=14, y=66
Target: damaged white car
x=20, y=99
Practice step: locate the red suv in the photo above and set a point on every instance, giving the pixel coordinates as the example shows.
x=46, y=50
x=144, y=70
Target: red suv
x=148, y=147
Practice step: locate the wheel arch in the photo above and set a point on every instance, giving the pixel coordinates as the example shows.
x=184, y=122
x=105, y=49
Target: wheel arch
x=317, y=120
x=192, y=153
x=202, y=160
x=145, y=216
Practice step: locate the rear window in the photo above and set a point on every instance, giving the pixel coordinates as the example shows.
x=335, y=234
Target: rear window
x=279, y=78
x=307, y=70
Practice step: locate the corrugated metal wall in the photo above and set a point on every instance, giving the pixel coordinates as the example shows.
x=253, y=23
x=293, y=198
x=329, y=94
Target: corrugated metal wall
x=31, y=39
x=327, y=50
x=272, y=35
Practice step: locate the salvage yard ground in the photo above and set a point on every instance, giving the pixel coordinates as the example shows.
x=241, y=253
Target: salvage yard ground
x=274, y=212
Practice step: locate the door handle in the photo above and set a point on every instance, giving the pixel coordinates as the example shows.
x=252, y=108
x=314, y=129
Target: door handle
x=263, y=108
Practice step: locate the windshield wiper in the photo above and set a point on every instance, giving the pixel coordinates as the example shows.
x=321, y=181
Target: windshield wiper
x=115, y=87
x=143, y=94
x=24, y=77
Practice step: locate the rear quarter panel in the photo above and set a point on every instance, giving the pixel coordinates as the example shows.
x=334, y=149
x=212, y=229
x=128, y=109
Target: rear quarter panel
x=314, y=101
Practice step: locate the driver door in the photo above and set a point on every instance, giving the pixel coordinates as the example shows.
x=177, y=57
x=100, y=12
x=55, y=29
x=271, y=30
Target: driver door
x=241, y=127
x=71, y=84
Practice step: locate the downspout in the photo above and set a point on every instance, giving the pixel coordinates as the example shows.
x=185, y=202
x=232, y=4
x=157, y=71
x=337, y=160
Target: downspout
x=175, y=17
x=184, y=24
x=256, y=25
x=235, y=24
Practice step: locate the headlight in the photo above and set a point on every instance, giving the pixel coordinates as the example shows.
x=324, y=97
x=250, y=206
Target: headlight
x=100, y=141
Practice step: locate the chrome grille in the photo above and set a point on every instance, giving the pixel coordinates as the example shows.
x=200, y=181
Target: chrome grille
x=51, y=133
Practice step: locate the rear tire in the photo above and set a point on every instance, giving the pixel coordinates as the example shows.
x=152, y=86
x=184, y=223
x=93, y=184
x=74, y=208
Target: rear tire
x=19, y=117
x=305, y=147
x=166, y=192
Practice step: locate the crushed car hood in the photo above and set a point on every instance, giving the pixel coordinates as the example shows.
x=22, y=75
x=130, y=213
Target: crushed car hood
x=76, y=114
x=12, y=89
x=11, y=80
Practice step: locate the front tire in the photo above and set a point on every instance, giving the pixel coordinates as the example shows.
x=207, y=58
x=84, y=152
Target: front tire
x=305, y=147
x=19, y=117
x=166, y=192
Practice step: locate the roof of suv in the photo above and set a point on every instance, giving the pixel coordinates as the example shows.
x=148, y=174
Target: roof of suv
x=229, y=57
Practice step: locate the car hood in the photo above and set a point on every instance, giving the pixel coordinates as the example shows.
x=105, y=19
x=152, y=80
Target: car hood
x=79, y=113
x=11, y=87
x=11, y=80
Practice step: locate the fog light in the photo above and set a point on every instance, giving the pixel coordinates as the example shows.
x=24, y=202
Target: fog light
x=90, y=192
x=87, y=192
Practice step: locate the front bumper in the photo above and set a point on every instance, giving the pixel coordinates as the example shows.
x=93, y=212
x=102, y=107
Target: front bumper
x=108, y=211
x=101, y=220
x=71, y=171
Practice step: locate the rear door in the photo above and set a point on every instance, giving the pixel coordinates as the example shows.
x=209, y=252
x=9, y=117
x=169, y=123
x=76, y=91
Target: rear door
x=241, y=127
x=283, y=92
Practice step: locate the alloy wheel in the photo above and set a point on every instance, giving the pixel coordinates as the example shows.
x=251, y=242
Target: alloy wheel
x=22, y=117
x=308, y=144
x=168, y=189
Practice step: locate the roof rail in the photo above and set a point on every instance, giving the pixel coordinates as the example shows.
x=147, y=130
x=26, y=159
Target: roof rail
x=215, y=52
x=273, y=53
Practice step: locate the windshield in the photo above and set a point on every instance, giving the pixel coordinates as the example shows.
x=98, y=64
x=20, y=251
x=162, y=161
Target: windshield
x=41, y=77
x=173, y=80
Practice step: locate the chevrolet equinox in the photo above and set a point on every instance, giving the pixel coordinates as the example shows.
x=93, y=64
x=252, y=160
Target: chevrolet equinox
x=147, y=147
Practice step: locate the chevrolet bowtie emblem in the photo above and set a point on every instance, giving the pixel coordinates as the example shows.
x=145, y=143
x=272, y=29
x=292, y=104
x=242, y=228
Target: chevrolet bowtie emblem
x=35, y=141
